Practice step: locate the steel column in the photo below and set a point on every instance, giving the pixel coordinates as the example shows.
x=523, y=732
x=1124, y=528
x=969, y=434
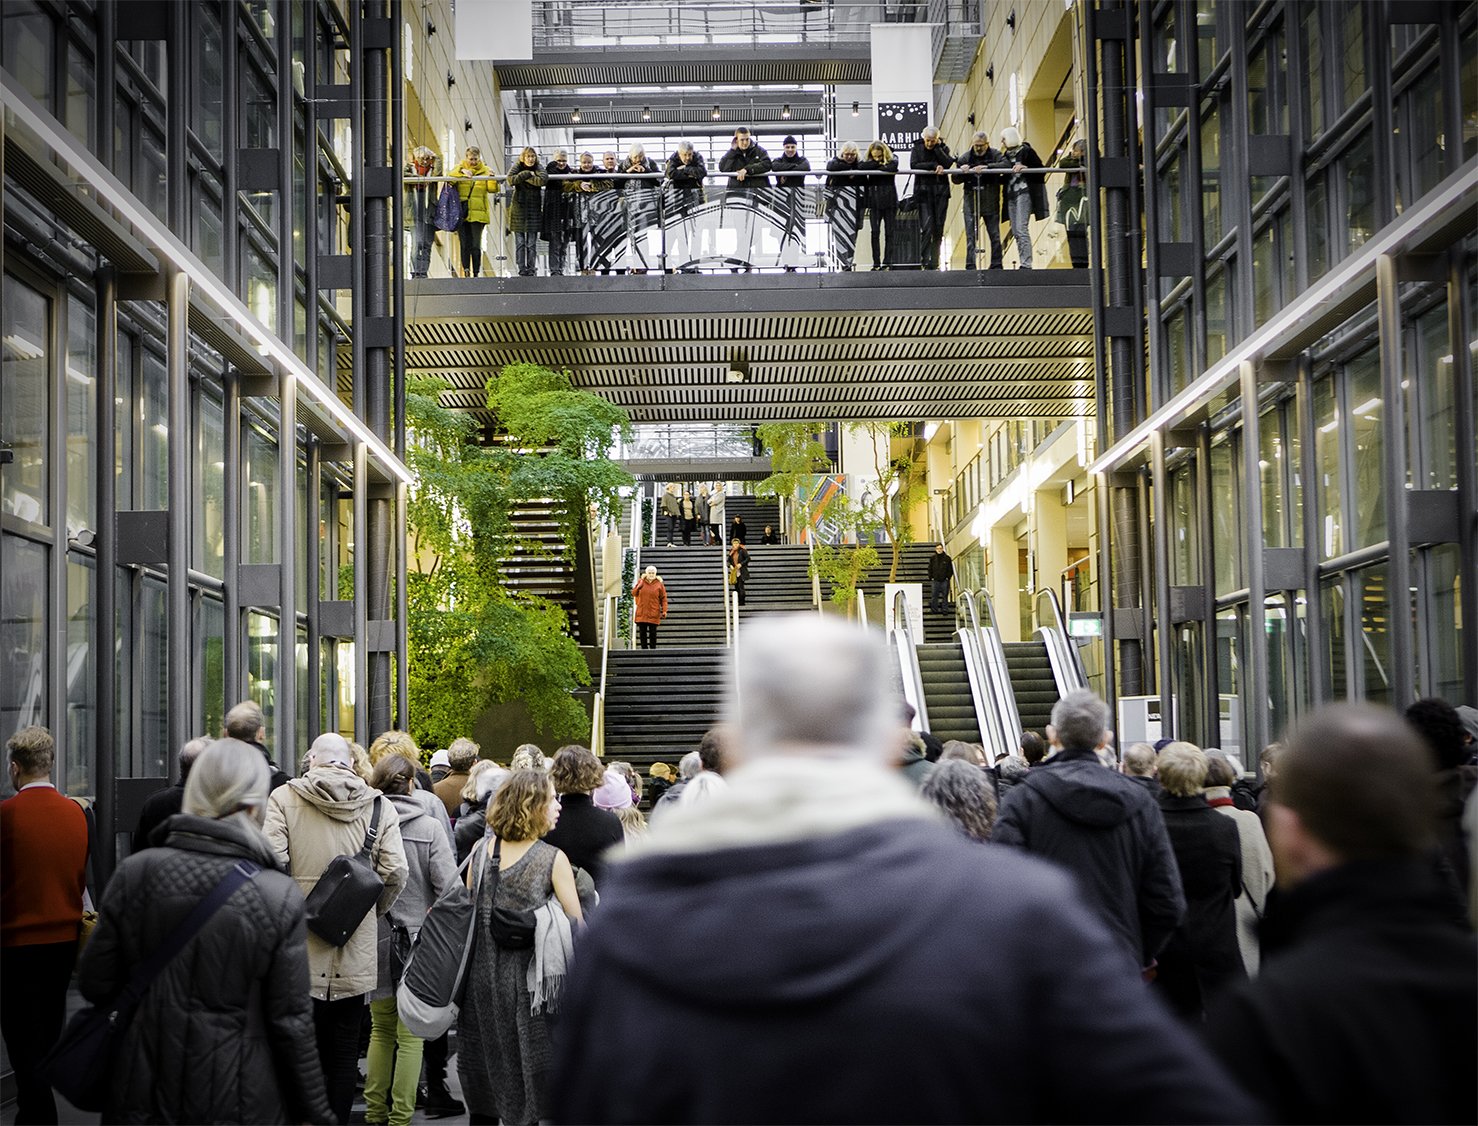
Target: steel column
x=178, y=591
x=1459, y=316
x=1308, y=469
x=1160, y=545
x=314, y=549
x=284, y=740
x=1254, y=687
x=361, y=602
x=1393, y=435
x=105, y=602
x=398, y=276
x=231, y=516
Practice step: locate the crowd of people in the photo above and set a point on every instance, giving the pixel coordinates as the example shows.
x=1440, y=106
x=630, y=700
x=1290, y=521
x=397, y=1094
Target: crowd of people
x=1067, y=934
x=599, y=214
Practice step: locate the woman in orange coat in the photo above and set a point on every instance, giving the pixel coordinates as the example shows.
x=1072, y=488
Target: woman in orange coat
x=651, y=607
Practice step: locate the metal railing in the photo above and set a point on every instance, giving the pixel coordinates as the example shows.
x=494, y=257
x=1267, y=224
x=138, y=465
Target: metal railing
x=982, y=677
x=907, y=651
x=1062, y=650
x=641, y=222
x=685, y=440
x=731, y=627
x=1007, y=719
x=636, y=538
x=598, y=719
x=862, y=608
x=750, y=26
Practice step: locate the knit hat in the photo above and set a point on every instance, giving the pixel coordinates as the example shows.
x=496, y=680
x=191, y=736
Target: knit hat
x=1469, y=716
x=613, y=793
x=789, y=141
x=440, y=758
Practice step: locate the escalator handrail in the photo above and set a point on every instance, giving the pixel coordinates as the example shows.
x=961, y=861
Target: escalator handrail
x=978, y=674
x=908, y=660
x=608, y=624
x=1008, y=717
x=1067, y=663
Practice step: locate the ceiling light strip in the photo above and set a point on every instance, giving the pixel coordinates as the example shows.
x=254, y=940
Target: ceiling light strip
x=122, y=199
x=1456, y=191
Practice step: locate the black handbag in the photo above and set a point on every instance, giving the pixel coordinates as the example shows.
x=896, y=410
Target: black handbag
x=80, y=1064
x=347, y=890
x=512, y=930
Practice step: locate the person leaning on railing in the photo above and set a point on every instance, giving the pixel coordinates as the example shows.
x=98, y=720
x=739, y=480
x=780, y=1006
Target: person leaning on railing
x=982, y=197
x=685, y=175
x=526, y=209
x=790, y=193
x=880, y=195
x=559, y=225
x=843, y=197
x=474, y=195
x=642, y=211
x=1023, y=197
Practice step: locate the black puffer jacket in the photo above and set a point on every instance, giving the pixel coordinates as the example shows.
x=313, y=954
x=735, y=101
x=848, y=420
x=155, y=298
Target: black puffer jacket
x=225, y=1033
x=1110, y=834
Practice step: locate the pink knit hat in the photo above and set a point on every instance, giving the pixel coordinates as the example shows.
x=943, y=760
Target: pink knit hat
x=613, y=793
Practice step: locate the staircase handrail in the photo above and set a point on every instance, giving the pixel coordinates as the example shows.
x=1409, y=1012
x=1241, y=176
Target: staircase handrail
x=980, y=675
x=907, y=650
x=862, y=608
x=636, y=538
x=731, y=627
x=811, y=569
x=1007, y=717
x=1062, y=651
x=735, y=665
x=598, y=725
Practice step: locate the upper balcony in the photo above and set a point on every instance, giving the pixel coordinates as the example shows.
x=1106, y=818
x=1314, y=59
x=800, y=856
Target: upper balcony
x=607, y=42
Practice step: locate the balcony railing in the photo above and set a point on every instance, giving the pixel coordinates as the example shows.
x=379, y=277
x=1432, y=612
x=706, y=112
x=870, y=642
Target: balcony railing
x=686, y=442
x=563, y=25
x=614, y=223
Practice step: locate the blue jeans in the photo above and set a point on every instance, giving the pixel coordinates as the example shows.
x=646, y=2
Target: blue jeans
x=1019, y=207
x=526, y=252
x=973, y=219
x=938, y=595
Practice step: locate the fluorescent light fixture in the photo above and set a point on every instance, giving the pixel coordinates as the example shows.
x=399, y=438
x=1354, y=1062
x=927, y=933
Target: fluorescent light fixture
x=1369, y=406
x=785, y=111
x=716, y=113
x=169, y=246
x=646, y=113
x=575, y=116
x=856, y=108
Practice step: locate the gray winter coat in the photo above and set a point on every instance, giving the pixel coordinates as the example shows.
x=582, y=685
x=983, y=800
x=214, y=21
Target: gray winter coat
x=428, y=855
x=225, y=1033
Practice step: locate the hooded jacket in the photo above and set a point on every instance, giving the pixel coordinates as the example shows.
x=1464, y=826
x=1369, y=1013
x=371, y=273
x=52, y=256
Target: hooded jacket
x=1363, y=1009
x=755, y=162
x=310, y=821
x=225, y=1032
x=1109, y=833
x=838, y=954
x=430, y=871
x=474, y=193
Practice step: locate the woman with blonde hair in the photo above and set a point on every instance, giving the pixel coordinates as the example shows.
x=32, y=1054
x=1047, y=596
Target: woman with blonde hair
x=474, y=195
x=880, y=197
x=502, y=1030
x=237, y=994
x=482, y=783
x=844, y=199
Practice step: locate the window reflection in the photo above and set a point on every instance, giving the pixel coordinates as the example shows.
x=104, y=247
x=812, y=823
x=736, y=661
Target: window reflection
x=24, y=637
x=25, y=346
x=76, y=775
x=1326, y=458
x=1364, y=396
x=81, y=390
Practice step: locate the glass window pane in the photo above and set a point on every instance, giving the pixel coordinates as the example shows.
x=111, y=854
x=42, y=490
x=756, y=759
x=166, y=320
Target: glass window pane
x=1271, y=468
x=1442, y=621
x=1317, y=203
x=1359, y=192
x=1468, y=52
x=1352, y=55
x=1422, y=140
x=81, y=385
x=81, y=95
x=1313, y=60
x=25, y=400
x=1326, y=457
x=154, y=434
x=1226, y=519
x=1278, y=635
x=1332, y=608
x=1216, y=317
x=1185, y=556
x=29, y=48
x=1364, y=390
x=1266, y=299
x=210, y=669
x=24, y=637
x=152, y=679
x=1374, y=658
x=1211, y=179
x=1229, y=649
x=262, y=497
x=207, y=73
x=208, y=513
x=261, y=668
x=76, y=775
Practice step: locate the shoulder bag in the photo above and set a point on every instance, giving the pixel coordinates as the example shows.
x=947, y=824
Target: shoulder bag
x=428, y=997
x=80, y=1064
x=347, y=890
x=512, y=930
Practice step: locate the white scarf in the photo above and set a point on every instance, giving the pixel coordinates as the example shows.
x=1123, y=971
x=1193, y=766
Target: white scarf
x=553, y=945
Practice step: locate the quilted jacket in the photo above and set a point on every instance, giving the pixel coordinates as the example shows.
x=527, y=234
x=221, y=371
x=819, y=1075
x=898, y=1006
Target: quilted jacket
x=310, y=821
x=225, y=1033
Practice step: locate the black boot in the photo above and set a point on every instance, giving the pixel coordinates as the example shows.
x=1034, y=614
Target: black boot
x=440, y=1102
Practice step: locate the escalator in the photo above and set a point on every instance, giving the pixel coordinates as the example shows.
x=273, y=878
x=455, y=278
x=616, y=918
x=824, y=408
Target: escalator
x=947, y=693
x=1033, y=684
x=1027, y=678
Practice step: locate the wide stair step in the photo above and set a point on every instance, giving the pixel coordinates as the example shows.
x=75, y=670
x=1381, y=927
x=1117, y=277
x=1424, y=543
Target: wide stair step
x=947, y=696
x=659, y=702
x=1032, y=683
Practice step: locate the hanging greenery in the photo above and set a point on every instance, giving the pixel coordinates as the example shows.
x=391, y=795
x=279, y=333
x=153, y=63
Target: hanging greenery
x=474, y=642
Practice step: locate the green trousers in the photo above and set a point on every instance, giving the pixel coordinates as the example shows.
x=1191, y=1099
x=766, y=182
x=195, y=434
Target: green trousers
x=393, y=1067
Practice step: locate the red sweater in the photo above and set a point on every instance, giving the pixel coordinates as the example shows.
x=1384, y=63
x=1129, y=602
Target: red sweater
x=43, y=861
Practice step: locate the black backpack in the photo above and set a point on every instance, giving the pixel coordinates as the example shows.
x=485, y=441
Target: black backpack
x=347, y=890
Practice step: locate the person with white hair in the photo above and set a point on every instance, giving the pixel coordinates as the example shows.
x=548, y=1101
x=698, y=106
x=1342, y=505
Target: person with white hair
x=982, y=198
x=225, y=1032
x=1023, y=196
x=931, y=159
x=640, y=199
x=1099, y=825
x=844, y=197
x=482, y=784
x=685, y=175
x=650, y=593
x=818, y=898
x=313, y=819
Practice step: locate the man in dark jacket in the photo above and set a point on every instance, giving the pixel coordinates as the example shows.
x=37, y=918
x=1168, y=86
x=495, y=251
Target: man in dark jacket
x=163, y=804
x=982, y=199
x=1102, y=827
x=1140, y=764
x=246, y=722
x=791, y=198
x=1363, y=1008
x=931, y=159
x=746, y=162
x=818, y=903
x=941, y=570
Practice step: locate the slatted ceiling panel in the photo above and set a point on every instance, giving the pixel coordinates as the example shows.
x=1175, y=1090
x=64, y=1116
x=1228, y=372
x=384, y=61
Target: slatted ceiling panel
x=636, y=67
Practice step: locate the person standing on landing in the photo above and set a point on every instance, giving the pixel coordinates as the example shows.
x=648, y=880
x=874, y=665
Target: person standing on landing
x=651, y=607
x=941, y=570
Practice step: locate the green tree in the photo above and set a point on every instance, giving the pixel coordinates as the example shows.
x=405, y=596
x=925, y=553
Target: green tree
x=901, y=486
x=473, y=641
